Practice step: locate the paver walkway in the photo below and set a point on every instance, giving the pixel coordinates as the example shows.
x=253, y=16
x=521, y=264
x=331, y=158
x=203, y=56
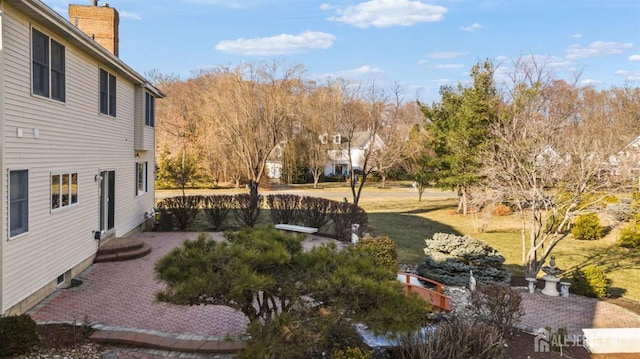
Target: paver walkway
x=118, y=297
x=574, y=313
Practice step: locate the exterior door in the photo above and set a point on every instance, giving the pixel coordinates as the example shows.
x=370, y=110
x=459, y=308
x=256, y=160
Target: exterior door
x=107, y=200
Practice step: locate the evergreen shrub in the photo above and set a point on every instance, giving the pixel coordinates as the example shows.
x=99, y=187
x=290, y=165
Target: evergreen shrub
x=351, y=353
x=621, y=212
x=449, y=258
x=18, y=335
x=630, y=235
x=587, y=227
x=590, y=282
x=382, y=248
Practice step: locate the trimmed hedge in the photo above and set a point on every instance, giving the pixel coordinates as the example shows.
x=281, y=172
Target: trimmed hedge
x=216, y=208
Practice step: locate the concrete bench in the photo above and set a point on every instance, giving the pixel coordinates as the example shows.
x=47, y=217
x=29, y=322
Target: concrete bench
x=294, y=228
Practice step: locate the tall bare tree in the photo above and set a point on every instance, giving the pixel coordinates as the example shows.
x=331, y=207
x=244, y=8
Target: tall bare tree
x=399, y=120
x=318, y=117
x=547, y=158
x=361, y=117
x=254, y=106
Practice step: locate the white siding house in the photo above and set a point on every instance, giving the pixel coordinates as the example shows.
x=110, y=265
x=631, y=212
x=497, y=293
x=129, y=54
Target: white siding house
x=76, y=150
x=361, y=142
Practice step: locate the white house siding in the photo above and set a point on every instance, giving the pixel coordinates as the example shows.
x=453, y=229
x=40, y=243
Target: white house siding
x=74, y=137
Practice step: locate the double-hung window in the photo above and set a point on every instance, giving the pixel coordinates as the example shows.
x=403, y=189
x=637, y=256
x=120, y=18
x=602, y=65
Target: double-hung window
x=141, y=178
x=64, y=190
x=18, y=202
x=149, y=110
x=48, y=66
x=107, y=93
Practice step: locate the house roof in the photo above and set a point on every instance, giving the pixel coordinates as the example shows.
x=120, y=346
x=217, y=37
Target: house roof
x=43, y=14
x=361, y=139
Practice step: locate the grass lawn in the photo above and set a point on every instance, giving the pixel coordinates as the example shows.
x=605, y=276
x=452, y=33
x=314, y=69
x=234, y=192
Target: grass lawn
x=396, y=212
x=409, y=222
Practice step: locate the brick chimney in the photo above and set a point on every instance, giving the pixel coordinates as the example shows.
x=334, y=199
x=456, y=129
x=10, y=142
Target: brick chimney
x=99, y=22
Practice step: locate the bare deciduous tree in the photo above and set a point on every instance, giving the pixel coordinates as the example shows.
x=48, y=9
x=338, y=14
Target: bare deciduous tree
x=394, y=133
x=254, y=107
x=548, y=159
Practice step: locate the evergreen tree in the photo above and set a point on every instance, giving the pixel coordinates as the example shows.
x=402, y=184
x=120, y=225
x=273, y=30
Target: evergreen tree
x=459, y=124
x=297, y=302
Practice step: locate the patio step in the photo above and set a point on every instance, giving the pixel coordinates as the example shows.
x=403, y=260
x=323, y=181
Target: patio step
x=161, y=341
x=122, y=249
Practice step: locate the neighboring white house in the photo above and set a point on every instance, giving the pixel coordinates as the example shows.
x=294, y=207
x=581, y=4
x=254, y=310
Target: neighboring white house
x=627, y=161
x=77, y=145
x=273, y=166
x=361, y=142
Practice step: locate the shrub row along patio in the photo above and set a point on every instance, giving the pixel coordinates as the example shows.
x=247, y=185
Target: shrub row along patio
x=332, y=218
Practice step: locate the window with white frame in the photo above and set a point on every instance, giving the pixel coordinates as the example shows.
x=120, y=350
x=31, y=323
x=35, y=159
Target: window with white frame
x=47, y=66
x=64, y=189
x=18, y=202
x=149, y=110
x=141, y=178
x=107, y=93
x=337, y=139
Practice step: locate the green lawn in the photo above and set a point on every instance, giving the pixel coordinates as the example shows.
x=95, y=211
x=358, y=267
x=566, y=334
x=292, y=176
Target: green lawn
x=408, y=223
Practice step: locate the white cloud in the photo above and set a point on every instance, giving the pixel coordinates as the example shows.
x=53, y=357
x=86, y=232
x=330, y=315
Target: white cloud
x=326, y=7
x=546, y=60
x=587, y=82
x=423, y=61
x=359, y=72
x=449, y=66
x=472, y=27
x=502, y=58
x=278, y=45
x=634, y=58
x=130, y=15
x=446, y=55
x=628, y=75
x=598, y=48
x=576, y=36
x=387, y=13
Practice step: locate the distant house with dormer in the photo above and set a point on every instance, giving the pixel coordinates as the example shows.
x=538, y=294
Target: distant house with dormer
x=341, y=149
x=78, y=141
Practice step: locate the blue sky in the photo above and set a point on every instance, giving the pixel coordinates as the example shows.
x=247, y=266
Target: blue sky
x=419, y=44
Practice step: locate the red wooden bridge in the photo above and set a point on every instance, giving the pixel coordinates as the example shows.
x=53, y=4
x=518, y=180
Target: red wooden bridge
x=414, y=284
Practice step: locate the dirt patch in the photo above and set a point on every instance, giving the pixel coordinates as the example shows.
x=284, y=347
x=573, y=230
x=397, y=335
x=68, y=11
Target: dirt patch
x=522, y=346
x=64, y=341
